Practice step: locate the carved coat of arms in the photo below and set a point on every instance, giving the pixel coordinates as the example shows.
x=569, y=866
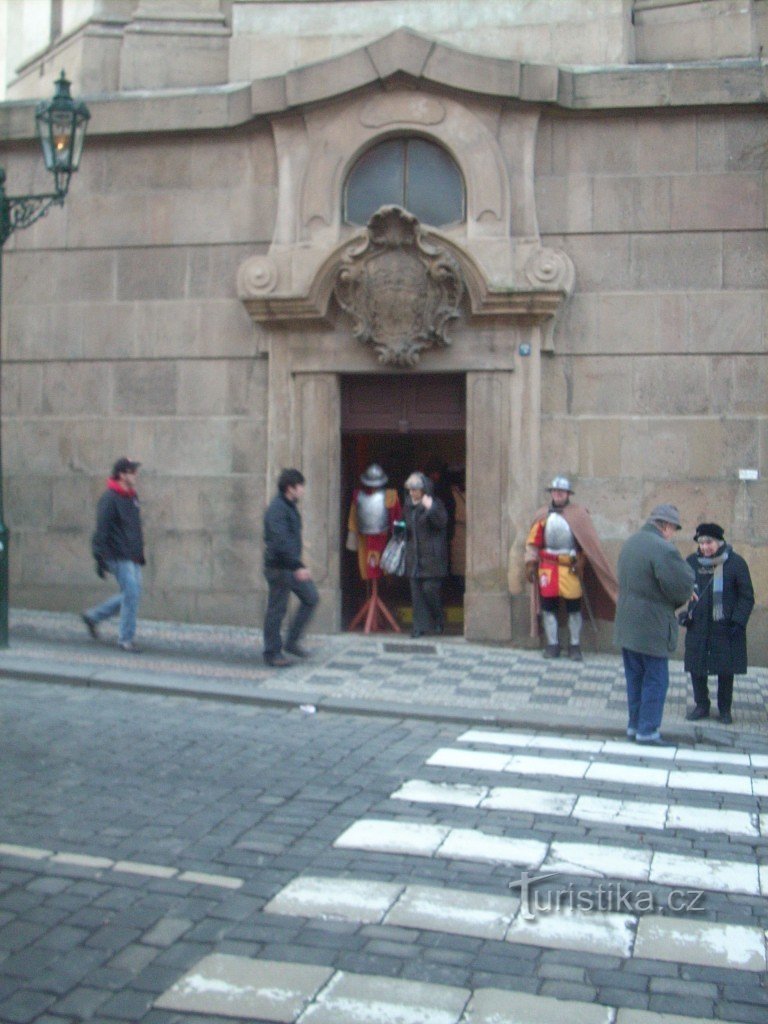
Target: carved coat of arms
x=400, y=289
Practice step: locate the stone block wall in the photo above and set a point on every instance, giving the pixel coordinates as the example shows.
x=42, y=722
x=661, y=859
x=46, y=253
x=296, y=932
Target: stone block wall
x=656, y=390
x=123, y=334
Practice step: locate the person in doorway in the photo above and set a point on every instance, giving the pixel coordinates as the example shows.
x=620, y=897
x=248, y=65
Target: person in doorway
x=654, y=580
x=716, y=622
x=285, y=572
x=118, y=548
x=563, y=559
x=426, y=554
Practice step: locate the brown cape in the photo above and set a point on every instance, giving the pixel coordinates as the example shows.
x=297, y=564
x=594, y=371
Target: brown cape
x=600, y=583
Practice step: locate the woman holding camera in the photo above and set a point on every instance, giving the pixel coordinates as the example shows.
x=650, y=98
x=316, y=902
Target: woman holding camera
x=716, y=637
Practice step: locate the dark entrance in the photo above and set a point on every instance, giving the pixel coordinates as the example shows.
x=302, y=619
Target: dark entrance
x=405, y=423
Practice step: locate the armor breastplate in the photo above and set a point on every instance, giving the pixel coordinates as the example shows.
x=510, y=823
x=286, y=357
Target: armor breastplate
x=558, y=536
x=372, y=514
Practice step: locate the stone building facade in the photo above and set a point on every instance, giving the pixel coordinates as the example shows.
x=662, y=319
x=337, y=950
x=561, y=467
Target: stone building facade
x=602, y=310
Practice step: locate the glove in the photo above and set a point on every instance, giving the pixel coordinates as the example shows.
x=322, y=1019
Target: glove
x=531, y=571
x=101, y=568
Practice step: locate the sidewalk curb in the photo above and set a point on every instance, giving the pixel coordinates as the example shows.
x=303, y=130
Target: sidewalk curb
x=240, y=693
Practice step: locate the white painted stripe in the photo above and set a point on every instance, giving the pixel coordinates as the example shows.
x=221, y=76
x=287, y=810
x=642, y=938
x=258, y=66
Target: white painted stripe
x=627, y=774
x=471, y=844
x=711, y=782
x=547, y=742
x=705, y=873
x=593, y=860
x=597, y=861
x=764, y=879
x=342, y=898
x=462, y=912
x=709, y=943
x=203, y=878
x=27, y=852
x=601, y=810
x=85, y=860
x=524, y=764
x=350, y=999
x=704, y=819
x=500, y=1006
x=597, y=932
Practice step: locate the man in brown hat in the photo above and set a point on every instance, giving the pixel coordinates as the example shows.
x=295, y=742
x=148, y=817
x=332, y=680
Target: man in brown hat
x=563, y=560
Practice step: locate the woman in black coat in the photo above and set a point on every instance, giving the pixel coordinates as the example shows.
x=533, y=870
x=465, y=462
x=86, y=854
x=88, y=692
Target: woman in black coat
x=716, y=638
x=426, y=553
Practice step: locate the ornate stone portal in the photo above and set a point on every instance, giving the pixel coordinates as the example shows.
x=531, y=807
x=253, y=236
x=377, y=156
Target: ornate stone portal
x=401, y=290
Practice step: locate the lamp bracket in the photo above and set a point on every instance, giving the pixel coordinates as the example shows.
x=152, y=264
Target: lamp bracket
x=23, y=211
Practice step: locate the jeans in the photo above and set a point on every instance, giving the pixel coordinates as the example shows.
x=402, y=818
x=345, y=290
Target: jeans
x=647, y=682
x=128, y=576
x=281, y=583
x=724, y=692
x=427, y=607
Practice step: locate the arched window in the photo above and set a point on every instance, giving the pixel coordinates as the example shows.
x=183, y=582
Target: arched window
x=409, y=172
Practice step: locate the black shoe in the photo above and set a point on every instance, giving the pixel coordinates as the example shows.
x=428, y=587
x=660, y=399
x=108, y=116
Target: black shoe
x=726, y=717
x=439, y=629
x=276, y=661
x=129, y=646
x=652, y=743
x=297, y=651
x=91, y=626
x=416, y=633
x=552, y=651
x=696, y=713
x=574, y=653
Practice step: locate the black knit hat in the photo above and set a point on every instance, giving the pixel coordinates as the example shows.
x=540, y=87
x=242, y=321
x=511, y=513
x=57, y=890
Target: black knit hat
x=709, y=530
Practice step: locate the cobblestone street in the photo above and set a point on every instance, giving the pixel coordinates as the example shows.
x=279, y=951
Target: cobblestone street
x=166, y=859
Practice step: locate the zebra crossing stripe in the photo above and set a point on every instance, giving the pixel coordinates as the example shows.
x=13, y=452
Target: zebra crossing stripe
x=603, y=810
x=547, y=742
x=586, y=859
x=479, y=915
x=603, y=771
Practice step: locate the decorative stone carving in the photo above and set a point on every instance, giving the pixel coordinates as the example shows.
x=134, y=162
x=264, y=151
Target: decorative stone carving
x=256, y=276
x=400, y=288
x=550, y=268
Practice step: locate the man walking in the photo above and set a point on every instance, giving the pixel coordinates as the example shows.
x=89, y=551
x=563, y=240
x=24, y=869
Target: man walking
x=654, y=580
x=118, y=547
x=285, y=572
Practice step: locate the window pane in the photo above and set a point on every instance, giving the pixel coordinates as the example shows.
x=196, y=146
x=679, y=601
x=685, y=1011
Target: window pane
x=376, y=180
x=434, y=191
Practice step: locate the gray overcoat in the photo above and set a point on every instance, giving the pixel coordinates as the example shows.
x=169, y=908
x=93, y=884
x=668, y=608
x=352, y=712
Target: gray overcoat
x=654, y=580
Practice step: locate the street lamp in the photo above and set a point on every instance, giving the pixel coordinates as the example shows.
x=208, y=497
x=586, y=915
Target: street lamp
x=61, y=124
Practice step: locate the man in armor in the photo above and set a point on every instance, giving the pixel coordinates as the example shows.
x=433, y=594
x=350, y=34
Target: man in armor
x=374, y=509
x=563, y=555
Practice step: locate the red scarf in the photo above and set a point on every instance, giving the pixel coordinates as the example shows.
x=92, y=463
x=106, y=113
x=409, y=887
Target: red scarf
x=119, y=488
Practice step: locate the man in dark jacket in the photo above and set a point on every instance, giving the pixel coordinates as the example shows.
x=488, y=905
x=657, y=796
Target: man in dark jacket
x=716, y=637
x=285, y=571
x=426, y=553
x=654, y=580
x=118, y=547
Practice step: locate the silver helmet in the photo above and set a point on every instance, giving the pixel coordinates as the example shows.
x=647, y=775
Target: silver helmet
x=561, y=483
x=374, y=476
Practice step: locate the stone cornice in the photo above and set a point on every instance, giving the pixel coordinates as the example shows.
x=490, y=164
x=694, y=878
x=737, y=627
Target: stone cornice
x=408, y=55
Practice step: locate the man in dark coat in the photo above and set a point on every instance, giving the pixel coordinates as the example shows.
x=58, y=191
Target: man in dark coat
x=426, y=553
x=654, y=580
x=716, y=637
x=118, y=548
x=285, y=572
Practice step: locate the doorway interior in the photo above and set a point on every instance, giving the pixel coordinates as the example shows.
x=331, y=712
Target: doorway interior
x=405, y=423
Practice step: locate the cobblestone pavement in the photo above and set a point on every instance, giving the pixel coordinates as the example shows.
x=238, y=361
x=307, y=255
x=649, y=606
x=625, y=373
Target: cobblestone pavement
x=385, y=673
x=167, y=860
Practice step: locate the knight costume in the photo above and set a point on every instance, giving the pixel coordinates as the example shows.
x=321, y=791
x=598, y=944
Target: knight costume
x=372, y=513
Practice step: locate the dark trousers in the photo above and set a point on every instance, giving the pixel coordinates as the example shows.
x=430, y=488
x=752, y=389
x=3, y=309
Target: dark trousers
x=427, y=606
x=724, y=692
x=282, y=583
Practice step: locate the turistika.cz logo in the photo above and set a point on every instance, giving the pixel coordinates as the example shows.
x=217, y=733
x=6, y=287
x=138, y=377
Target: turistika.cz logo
x=604, y=897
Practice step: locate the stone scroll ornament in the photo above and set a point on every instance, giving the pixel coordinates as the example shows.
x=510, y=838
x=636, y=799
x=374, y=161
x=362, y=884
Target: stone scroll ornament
x=401, y=289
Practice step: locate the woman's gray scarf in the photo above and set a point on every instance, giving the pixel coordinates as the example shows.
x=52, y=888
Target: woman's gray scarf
x=714, y=565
